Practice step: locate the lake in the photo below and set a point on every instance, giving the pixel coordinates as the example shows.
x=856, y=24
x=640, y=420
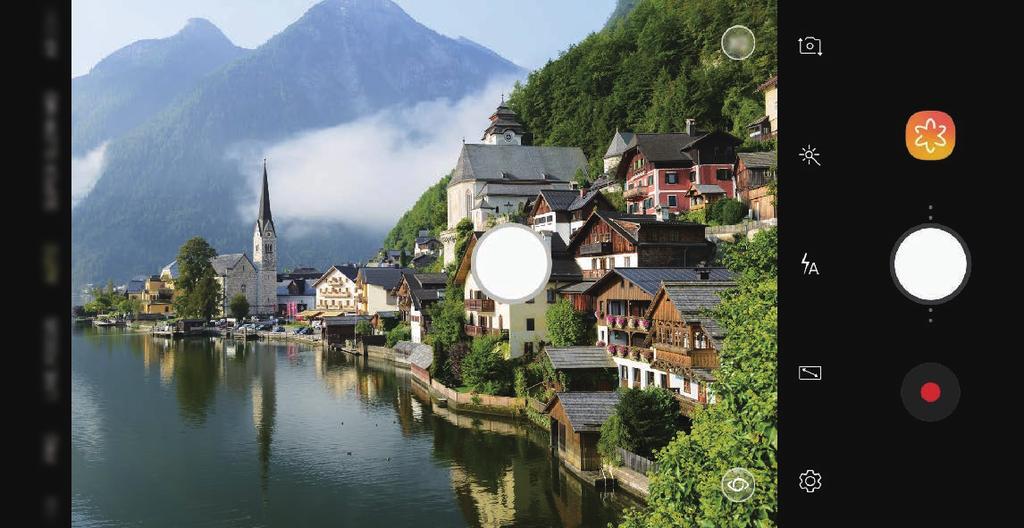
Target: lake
x=212, y=432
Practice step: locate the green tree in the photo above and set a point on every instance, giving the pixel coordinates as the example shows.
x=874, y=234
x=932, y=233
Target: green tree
x=485, y=369
x=199, y=294
x=239, y=306
x=129, y=305
x=363, y=328
x=650, y=418
x=447, y=317
x=613, y=436
x=401, y=332
x=741, y=428
x=566, y=326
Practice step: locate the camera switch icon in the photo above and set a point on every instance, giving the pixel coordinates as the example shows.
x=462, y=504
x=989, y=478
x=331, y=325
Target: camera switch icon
x=810, y=45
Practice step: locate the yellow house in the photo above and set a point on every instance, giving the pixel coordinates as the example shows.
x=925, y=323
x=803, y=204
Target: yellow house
x=154, y=294
x=524, y=324
x=375, y=289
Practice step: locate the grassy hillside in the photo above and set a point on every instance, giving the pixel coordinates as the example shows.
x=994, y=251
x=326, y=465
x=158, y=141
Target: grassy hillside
x=429, y=212
x=649, y=72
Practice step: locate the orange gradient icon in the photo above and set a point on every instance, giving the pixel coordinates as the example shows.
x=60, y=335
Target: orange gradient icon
x=931, y=135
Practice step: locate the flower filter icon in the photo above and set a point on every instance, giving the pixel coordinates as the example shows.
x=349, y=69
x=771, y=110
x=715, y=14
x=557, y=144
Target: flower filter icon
x=930, y=135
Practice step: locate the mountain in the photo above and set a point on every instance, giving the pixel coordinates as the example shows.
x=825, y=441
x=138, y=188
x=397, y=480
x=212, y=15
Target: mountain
x=135, y=82
x=173, y=177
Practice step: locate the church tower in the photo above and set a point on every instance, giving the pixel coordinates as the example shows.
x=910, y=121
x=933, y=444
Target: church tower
x=505, y=128
x=264, y=254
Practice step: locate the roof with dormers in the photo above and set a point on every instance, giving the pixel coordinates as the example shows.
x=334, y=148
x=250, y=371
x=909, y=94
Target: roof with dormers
x=510, y=163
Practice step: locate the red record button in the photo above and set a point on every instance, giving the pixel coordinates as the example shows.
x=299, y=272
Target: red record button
x=930, y=392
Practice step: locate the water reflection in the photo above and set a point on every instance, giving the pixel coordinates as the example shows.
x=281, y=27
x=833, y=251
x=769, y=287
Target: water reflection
x=322, y=438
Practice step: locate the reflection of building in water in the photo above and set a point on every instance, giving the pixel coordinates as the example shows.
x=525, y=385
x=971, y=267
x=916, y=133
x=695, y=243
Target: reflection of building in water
x=264, y=407
x=337, y=371
x=493, y=505
x=167, y=366
x=150, y=353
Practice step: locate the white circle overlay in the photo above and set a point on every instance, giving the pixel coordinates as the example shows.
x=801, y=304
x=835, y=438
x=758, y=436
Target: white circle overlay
x=738, y=42
x=511, y=263
x=931, y=264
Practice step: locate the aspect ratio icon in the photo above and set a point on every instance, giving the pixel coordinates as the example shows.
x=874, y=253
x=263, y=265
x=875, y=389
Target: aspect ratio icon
x=810, y=45
x=810, y=373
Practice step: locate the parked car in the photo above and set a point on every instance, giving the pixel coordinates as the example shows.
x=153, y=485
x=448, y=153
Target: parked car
x=279, y=329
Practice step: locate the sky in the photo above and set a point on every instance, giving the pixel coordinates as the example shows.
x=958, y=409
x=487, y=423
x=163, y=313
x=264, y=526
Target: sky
x=527, y=32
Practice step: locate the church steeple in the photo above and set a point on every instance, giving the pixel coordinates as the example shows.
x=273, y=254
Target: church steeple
x=265, y=218
x=505, y=128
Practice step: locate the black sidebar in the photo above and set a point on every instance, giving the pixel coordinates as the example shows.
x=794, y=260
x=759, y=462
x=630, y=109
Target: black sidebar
x=894, y=376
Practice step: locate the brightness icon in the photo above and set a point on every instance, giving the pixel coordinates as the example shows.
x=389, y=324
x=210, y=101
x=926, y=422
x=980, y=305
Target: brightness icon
x=810, y=155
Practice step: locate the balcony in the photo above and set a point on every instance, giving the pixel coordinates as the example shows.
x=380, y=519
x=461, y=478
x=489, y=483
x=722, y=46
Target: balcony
x=706, y=358
x=480, y=305
x=626, y=323
x=596, y=248
x=475, y=331
x=594, y=274
x=635, y=194
x=673, y=357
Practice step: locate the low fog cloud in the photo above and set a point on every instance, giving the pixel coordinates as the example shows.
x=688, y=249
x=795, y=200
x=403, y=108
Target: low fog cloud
x=366, y=172
x=85, y=172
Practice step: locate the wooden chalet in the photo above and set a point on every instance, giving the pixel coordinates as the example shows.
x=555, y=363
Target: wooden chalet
x=610, y=240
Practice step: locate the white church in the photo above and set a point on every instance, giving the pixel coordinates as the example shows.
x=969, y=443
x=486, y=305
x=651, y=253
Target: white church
x=236, y=273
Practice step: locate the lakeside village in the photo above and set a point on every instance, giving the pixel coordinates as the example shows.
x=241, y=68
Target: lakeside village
x=612, y=358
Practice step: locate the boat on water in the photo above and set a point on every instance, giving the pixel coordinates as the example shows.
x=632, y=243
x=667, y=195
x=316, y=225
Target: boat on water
x=107, y=321
x=83, y=320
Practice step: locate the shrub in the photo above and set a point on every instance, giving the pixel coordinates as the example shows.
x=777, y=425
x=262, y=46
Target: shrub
x=650, y=418
x=729, y=212
x=456, y=354
x=402, y=332
x=363, y=327
x=613, y=436
x=565, y=325
x=485, y=370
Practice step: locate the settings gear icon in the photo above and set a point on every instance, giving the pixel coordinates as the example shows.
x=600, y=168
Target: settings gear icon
x=810, y=481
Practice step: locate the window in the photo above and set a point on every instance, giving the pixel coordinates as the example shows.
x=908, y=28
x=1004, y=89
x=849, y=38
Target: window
x=529, y=327
x=624, y=372
x=561, y=436
x=611, y=262
x=551, y=296
x=693, y=177
x=243, y=288
x=650, y=180
x=650, y=378
x=671, y=177
x=636, y=375
x=664, y=380
x=723, y=174
x=671, y=200
x=626, y=260
x=593, y=263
